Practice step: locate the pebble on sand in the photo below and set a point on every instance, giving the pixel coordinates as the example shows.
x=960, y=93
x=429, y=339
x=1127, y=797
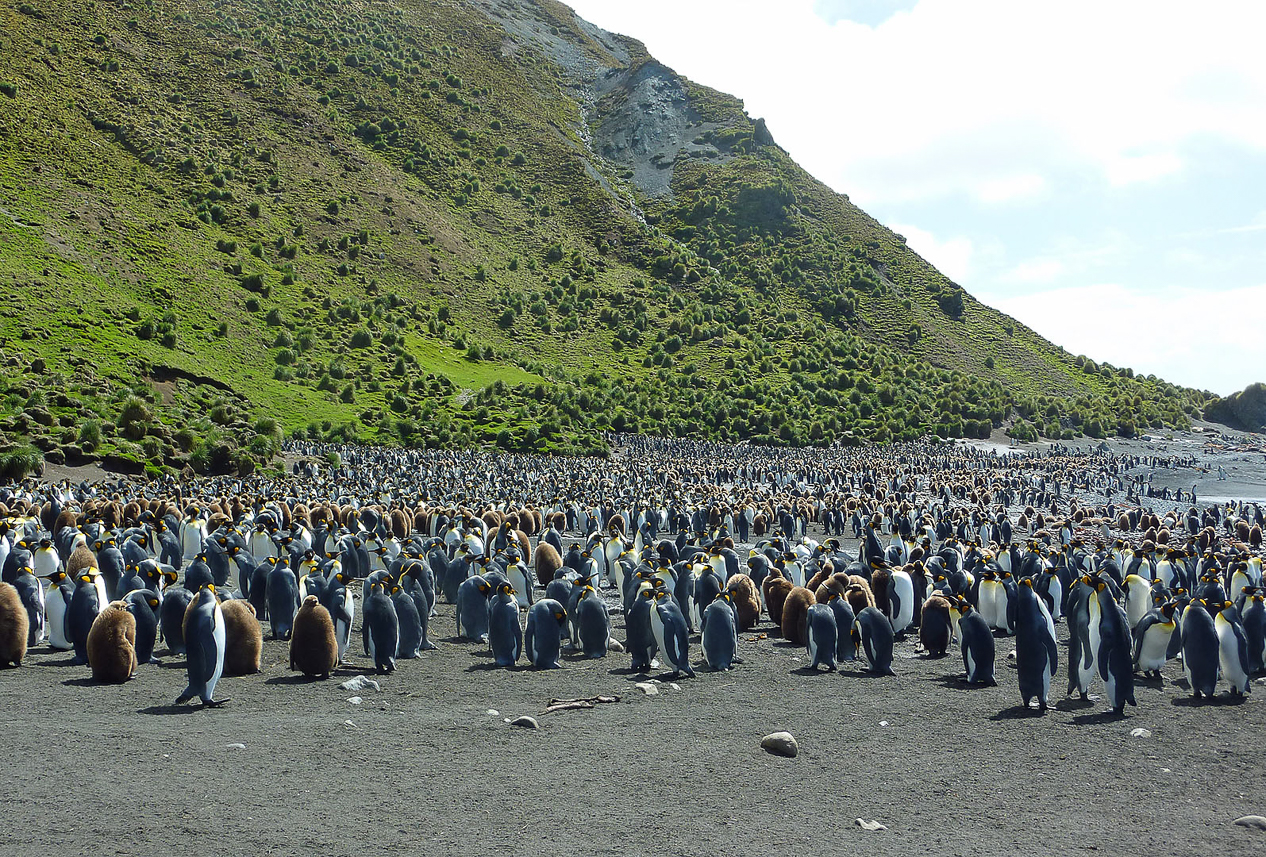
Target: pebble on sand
x=235, y=746
x=647, y=688
x=780, y=744
x=360, y=683
x=1254, y=822
x=525, y=722
x=1140, y=733
x=870, y=825
x=492, y=712
x=355, y=700
x=614, y=645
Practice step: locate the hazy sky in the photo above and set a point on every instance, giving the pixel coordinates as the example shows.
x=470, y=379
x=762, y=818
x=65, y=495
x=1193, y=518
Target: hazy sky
x=1096, y=169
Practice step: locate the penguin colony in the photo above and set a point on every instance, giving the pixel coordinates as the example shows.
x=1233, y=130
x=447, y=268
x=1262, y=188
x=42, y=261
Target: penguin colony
x=956, y=547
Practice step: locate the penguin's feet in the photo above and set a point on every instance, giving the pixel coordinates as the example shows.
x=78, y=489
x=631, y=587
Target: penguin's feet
x=214, y=703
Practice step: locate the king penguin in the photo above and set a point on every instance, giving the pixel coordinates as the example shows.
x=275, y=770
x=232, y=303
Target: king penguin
x=719, y=639
x=593, y=624
x=1232, y=648
x=820, y=637
x=640, y=636
x=1200, y=649
x=977, y=645
x=1116, y=648
x=542, y=639
x=1151, y=639
x=204, y=639
x=472, y=608
x=1255, y=631
x=85, y=604
x=381, y=629
x=671, y=634
x=505, y=636
x=1036, y=651
x=844, y=648
x=872, y=633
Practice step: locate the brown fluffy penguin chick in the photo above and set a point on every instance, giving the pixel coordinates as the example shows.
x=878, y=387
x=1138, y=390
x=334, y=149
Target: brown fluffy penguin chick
x=79, y=559
x=879, y=580
x=795, y=615
x=776, y=592
x=525, y=545
x=934, y=626
x=759, y=525
x=858, y=594
x=313, y=646
x=547, y=562
x=823, y=574
x=746, y=603
x=243, y=638
x=15, y=625
x=112, y=644
x=836, y=584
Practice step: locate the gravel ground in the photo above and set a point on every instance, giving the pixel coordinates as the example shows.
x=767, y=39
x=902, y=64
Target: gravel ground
x=424, y=765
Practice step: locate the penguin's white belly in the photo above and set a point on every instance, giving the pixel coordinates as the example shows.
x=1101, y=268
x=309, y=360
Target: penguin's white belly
x=1152, y=651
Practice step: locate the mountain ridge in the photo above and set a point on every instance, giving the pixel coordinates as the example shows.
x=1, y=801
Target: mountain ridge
x=451, y=224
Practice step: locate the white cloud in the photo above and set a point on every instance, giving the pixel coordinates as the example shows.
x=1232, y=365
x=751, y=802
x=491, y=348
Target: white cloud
x=1035, y=271
x=1011, y=187
x=1126, y=169
x=1168, y=333
x=952, y=257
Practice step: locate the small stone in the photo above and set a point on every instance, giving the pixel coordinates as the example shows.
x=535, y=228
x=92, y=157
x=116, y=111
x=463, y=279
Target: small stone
x=647, y=688
x=355, y=700
x=674, y=685
x=1253, y=822
x=1140, y=733
x=1011, y=655
x=349, y=724
x=780, y=744
x=870, y=825
x=525, y=722
x=235, y=746
x=359, y=684
x=492, y=712
x=614, y=645
x=883, y=722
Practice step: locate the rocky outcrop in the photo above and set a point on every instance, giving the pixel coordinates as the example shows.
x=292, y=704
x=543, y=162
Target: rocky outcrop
x=1245, y=410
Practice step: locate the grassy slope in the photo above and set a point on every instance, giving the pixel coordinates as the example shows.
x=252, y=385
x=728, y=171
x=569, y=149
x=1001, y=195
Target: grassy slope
x=145, y=148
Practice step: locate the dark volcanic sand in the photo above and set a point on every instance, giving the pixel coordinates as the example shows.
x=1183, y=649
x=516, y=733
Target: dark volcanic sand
x=423, y=766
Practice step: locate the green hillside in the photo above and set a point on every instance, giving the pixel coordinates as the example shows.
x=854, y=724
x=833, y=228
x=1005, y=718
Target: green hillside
x=448, y=224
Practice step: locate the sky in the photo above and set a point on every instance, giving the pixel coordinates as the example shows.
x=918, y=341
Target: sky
x=1095, y=169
